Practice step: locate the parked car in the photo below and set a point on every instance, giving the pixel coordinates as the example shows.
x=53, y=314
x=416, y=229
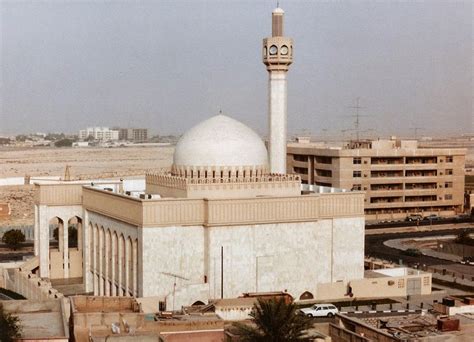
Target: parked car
x=320, y=310
x=414, y=217
x=412, y=252
x=432, y=217
x=467, y=261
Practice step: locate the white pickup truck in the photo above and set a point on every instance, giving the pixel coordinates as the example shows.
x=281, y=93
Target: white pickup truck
x=320, y=310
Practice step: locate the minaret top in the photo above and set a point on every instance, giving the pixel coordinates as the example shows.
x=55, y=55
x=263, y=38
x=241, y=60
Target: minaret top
x=277, y=49
x=277, y=22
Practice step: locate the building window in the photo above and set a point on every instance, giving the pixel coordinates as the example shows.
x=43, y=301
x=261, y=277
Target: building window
x=300, y=170
x=323, y=160
x=448, y=197
x=357, y=187
x=357, y=160
x=299, y=157
x=448, y=184
x=323, y=173
x=449, y=171
x=449, y=159
x=356, y=174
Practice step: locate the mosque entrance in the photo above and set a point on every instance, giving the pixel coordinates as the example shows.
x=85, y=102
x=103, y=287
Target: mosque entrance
x=65, y=253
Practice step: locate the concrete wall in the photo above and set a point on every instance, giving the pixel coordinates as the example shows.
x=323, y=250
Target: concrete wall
x=256, y=258
x=382, y=287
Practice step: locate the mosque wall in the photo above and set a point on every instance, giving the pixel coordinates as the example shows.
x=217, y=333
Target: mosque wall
x=292, y=257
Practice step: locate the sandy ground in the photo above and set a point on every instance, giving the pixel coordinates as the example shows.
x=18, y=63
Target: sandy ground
x=84, y=162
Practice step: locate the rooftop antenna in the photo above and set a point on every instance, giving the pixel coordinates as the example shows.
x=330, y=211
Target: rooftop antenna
x=175, y=276
x=357, y=117
x=415, y=131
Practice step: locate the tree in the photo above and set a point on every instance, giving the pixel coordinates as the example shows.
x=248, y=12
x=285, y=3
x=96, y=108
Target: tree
x=10, y=328
x=274, y=320
x=63, y=143
x=13, y=238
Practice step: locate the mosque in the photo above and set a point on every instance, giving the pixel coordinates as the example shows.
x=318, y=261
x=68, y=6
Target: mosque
x=226, y=219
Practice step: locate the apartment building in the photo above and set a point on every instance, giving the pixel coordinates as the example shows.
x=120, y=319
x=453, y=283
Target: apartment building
x=133, y=134
x=99, y=133
x=398, y=177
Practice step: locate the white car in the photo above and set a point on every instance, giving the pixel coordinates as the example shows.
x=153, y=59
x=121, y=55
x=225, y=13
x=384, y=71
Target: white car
x=320, y=310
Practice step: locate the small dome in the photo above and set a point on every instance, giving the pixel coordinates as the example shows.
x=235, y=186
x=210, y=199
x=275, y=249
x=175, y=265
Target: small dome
x=220, y=142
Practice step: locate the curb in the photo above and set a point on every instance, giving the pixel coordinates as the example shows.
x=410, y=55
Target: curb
x=383, y=311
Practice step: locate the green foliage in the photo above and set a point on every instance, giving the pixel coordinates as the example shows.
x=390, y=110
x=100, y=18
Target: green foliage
x=4, y=141
x=10, y=328
x=54, y=136
x=21, y=138
x=412, y=252
x=464, y=238
x=63, y=143
x=13, y=238
x=274, y=320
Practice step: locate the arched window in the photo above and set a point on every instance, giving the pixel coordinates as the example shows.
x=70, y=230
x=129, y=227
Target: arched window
x=306, y=295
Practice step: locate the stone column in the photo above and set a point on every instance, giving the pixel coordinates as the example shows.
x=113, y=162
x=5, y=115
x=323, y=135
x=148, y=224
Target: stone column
x=100, y=261
x=36, y=230
x=113, y=263
x=94, y=261
x=134, y=267
x=65, y=244
x=127, y=267
x=119, y=266
x=87, y=249
x=107, y=260
x=43, y=240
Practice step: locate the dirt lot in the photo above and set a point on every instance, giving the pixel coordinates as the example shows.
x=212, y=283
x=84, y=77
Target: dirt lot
x=84, y=162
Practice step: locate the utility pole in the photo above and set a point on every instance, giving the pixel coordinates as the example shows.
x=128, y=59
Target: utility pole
x=222, y=272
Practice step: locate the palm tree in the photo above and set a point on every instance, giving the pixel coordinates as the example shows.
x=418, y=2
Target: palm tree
x=274, y=320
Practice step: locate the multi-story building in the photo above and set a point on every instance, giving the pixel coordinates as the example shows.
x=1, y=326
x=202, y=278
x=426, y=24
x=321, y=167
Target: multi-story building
x=99, y=133
x=398, y=177
x=133, y=134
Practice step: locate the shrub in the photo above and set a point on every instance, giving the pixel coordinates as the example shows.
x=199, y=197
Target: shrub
x=13, y=238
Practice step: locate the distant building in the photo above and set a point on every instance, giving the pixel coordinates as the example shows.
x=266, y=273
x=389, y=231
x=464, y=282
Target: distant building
x=133, y=134
x=398, y=177
x=99, y=133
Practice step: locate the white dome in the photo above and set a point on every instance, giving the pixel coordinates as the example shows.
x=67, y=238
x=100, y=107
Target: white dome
x=220, y=142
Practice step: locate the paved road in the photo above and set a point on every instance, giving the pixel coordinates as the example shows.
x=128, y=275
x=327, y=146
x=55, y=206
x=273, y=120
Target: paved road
x=374, y=247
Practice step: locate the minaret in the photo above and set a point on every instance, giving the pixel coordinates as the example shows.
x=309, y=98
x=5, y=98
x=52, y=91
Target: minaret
x=277, y=56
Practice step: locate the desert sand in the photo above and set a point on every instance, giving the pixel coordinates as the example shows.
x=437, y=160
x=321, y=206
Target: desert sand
x=83, y=162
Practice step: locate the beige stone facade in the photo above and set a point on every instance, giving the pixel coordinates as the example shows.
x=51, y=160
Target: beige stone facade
x=398, y=178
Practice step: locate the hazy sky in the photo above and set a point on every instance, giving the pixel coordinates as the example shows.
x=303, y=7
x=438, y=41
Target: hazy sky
x=167, y=65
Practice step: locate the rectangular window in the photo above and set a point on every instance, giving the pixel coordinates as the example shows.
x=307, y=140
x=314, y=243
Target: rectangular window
x=299, y=157
x=357, y=187
x=356, y=174
x=449, y=159
x=448, y=184
x=448, y=197
x=449, y=171
x=357, y=160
